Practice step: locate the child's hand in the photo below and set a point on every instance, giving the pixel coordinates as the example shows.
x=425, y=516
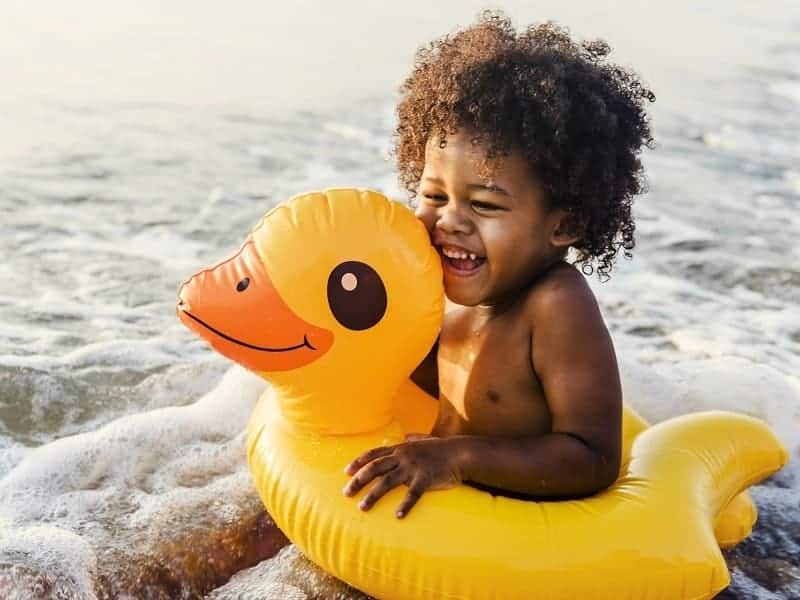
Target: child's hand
x=425, y=463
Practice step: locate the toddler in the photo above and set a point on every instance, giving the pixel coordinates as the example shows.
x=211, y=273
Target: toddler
x=515, y=149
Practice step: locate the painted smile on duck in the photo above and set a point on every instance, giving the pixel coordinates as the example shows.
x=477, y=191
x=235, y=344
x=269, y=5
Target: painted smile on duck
x=245, y=344
x=237, y=309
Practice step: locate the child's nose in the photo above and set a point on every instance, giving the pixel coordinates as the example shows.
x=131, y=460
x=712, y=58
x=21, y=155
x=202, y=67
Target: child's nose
x=453, y=220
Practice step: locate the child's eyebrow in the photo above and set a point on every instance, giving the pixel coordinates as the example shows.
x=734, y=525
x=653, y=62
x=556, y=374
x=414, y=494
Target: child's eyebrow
x=489, y=188
x=472, y=186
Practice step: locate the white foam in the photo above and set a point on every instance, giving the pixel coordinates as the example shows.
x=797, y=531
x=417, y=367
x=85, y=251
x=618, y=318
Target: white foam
x=732, y=383
x=127, y=444
x=121, y=353
x=57, y=564
x=179, y=467
x=10, y=455
x=288, y=576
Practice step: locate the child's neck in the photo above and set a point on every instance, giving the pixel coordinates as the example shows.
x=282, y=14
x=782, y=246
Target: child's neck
x=496, y=307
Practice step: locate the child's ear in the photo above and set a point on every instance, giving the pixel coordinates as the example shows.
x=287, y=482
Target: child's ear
x=565, y=229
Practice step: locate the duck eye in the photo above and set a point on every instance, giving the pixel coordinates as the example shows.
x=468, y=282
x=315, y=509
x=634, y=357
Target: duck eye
x=242, y=285
x=356, y=295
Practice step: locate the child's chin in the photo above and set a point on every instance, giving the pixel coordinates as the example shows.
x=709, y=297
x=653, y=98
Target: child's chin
x=466, y=289
x=462, y=298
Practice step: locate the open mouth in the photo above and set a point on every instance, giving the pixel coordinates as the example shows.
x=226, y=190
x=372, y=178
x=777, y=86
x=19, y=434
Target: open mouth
x=461, y=261
x=305, y=344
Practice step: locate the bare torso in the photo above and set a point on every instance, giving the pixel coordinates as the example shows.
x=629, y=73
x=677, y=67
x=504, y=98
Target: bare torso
x=487, y=384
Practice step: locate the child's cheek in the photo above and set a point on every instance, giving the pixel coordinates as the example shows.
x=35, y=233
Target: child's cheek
x=427, y=219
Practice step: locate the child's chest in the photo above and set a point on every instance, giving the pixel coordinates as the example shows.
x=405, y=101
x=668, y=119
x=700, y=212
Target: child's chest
x=487, y=385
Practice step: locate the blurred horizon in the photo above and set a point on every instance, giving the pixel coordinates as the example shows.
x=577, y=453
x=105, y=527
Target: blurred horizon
x=302, y=54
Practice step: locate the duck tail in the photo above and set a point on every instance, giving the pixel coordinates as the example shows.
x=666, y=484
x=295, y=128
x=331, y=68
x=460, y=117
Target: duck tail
x=720, y=453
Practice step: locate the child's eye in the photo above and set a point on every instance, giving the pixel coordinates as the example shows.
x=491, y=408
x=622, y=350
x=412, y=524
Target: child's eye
x=485, y=206
x=434, y=197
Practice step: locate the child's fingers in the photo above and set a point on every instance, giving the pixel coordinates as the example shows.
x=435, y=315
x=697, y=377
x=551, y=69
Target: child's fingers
x=415, y=491
x=367, y=457
x=366, y=474
x=389, y=481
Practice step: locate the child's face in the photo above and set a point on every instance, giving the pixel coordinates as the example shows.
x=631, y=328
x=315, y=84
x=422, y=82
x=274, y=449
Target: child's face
x=494, y=236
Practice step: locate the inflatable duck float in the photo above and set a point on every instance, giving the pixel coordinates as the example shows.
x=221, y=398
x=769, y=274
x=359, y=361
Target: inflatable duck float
x=334, y=298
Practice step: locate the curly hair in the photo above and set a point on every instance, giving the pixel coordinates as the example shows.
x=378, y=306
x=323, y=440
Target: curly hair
x=580, y=122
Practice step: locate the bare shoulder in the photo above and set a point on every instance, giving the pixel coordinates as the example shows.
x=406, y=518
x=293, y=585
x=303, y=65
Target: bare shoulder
x=562, y=293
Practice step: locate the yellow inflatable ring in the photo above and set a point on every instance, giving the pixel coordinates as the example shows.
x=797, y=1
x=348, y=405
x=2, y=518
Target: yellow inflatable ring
x=334, y=298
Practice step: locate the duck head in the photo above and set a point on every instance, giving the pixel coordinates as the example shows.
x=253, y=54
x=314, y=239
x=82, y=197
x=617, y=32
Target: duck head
x=334, y=298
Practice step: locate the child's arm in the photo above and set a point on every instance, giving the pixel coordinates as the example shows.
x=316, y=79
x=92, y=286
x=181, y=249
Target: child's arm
x=572, y=354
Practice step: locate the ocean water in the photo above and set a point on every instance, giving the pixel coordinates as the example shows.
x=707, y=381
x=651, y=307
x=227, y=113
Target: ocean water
x=141, y=143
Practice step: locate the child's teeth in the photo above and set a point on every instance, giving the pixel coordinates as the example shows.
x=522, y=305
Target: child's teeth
x=460, y=255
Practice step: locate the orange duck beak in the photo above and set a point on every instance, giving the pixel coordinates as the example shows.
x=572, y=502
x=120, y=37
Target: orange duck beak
x=236, y=308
